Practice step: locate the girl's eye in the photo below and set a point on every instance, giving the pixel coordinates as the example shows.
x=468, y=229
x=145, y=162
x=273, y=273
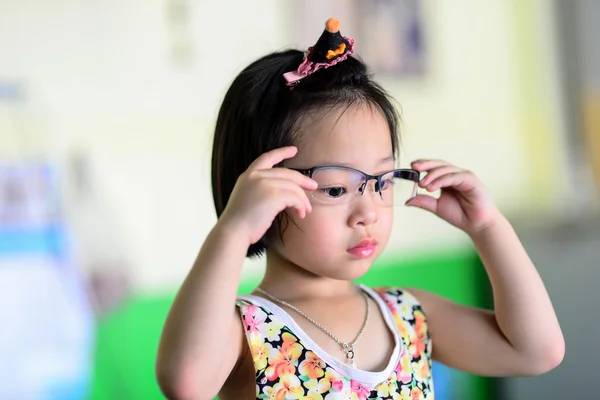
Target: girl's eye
x=384, y=185
x=334, y=192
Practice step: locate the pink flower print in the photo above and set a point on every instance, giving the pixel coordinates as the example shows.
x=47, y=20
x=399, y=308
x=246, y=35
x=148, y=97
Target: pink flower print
x=338, y=386
x=361, y=390
x=404, y=371
x=391, y=305
x=253, y=317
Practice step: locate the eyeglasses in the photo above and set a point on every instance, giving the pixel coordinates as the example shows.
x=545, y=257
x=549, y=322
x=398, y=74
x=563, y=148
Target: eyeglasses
x=343, y=185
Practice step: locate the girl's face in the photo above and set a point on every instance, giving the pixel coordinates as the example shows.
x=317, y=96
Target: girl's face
x=325, y=242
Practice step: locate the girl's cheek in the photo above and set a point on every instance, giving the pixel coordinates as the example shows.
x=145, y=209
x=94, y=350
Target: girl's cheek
x=322, y=226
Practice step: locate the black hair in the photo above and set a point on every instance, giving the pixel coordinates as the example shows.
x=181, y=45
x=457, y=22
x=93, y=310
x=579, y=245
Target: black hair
x=260, y=113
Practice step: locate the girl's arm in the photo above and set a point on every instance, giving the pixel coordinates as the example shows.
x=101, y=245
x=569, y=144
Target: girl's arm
x=522, y=336
x=202, y=337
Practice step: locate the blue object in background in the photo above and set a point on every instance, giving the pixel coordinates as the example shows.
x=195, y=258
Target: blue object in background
x=441, y=381
x=47, y=328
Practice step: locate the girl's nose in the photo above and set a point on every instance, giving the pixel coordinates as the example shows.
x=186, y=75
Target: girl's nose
x=364, y=210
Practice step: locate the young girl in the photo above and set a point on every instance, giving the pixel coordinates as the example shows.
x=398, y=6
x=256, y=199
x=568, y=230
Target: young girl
x=303, y=170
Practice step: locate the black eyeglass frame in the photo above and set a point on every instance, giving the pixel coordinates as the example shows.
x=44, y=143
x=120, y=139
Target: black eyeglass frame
x=408, y=174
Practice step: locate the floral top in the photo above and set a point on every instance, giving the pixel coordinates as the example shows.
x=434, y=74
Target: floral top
x=289, y=365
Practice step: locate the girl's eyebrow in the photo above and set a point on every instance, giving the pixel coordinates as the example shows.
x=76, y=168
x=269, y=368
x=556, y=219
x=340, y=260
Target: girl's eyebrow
x=386, y=159
x=343, y=164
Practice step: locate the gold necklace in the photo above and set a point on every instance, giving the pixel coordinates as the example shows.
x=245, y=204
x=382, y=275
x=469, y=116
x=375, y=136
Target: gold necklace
x=348, y=348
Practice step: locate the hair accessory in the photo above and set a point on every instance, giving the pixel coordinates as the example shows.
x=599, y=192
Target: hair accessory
x=330, y=49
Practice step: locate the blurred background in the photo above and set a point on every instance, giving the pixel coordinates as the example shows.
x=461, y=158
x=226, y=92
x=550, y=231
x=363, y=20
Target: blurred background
x=106, y=117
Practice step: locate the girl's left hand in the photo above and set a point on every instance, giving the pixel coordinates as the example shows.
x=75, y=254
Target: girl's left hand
x=464, y=201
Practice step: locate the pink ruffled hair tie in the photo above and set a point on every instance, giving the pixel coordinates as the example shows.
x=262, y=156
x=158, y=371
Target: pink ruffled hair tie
x=330, y=49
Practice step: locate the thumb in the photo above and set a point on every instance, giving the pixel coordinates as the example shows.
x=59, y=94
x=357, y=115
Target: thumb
x=423, y=201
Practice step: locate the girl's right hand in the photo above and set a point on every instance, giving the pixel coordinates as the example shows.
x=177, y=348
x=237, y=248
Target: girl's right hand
x=262, y=192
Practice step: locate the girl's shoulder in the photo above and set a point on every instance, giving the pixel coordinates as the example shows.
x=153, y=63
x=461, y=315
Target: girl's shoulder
x=397, y=296
x=403, y=304
x=408, y=316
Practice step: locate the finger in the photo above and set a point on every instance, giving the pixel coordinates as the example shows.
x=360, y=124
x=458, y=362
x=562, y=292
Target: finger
x=300, y=211
x=273, y=157
x=299, y=201
x=304, y=200
x=425, y=202
x=424, y=164
x=293, y=192
x=294, y=176
x=435, y=173
x=461, y=181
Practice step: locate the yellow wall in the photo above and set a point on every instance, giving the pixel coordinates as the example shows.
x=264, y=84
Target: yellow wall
x=591, y=119
x=101, y=76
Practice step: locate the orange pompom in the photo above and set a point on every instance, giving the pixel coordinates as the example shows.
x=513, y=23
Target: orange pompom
x=332, y=25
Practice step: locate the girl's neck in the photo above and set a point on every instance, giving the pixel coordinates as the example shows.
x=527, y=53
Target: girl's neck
x=290, y=282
